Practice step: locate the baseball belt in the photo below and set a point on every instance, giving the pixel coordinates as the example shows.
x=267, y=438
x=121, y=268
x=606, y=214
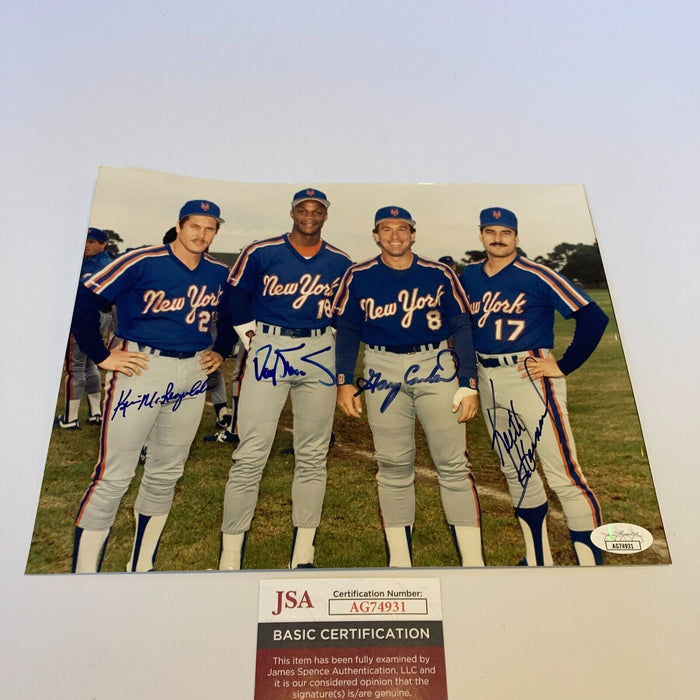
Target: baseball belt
x=502, y=361
x=292, y=332
x=505, y=360
x=405, y=349
x=160, y=352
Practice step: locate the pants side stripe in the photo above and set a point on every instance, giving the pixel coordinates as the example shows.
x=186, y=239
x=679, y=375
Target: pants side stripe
x=98, y=471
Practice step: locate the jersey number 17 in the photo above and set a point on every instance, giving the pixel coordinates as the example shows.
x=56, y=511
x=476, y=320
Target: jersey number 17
x=519, y=326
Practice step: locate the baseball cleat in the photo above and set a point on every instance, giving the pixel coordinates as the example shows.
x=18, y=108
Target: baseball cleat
x=224, y=422
x=305, y=566
x=222, y=436
x=95, y=419
x=69, y=425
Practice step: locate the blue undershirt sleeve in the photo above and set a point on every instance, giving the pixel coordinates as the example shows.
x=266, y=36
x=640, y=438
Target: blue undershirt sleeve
x=347, y=346
x=591, y=321
x=240, y=306
x=85, y=325
x=225, y=335
x=463, y=345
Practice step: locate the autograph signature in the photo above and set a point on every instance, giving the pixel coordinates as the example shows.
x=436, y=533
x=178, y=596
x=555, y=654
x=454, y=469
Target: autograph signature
x=276, y=365
x=514, y=443
x=374, y=381
x=149, y=400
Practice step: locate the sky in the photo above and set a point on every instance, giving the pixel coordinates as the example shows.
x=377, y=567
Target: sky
x=142, y=205
x=598, y=94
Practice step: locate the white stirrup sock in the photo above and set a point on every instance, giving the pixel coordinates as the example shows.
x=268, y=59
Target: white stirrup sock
x=149, y=528
x=584, y=554
x=90, y=544
x=73, y=408
x=302, y=546
x=587, y=553
x=95, y=403
x=468, y=540
x=533, y=522
x=231, y=551
x=530, y=545
x=398, y=542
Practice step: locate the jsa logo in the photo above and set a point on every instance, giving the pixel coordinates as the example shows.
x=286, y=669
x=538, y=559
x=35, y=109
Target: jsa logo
x=289, y=600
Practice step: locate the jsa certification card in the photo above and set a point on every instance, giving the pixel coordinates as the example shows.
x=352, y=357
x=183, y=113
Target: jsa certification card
x=350, y=638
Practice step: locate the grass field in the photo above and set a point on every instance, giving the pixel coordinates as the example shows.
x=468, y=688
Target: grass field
x=610, y=449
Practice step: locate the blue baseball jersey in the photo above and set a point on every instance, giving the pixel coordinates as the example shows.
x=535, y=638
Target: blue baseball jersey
x=161, y=302
x=285, y=288
x=513, y=310
x=94, y=264
x=417, y=306
x=401, y=307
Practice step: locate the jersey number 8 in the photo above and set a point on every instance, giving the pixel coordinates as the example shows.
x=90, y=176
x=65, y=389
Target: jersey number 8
x=434, y=319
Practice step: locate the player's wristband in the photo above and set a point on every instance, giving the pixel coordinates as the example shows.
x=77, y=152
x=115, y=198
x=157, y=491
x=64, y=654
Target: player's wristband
x=469, y=383
x=245, y=332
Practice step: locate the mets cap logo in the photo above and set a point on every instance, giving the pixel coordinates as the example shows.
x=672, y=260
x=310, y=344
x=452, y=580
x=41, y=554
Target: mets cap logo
x=311, y=193
x=394, y=212
x=496, y=214
x=204, y=206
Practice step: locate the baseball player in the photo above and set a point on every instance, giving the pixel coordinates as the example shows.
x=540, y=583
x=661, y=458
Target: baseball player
x=404, y=308
x=219, y=399
x=449, y=261
x=522, y=385
x=82, y=374
x=226, y=420
x=216, y=386
x=281, y=294
x=167, y=298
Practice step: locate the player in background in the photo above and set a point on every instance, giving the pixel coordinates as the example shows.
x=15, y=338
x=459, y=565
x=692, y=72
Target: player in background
x=522, y=385
x=404, y=308
x=227, y=420
x=449, y=261
x=281, y=299
x=82, y=374
x=167, y=299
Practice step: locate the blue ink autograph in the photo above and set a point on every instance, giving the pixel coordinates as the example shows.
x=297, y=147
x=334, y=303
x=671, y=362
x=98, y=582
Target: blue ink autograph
x=514, y=444
x=374, y=381
x=276, y=365
x=434, y=377
x=149, y=400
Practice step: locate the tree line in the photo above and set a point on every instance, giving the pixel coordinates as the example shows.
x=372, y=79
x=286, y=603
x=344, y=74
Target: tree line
x=579, y=262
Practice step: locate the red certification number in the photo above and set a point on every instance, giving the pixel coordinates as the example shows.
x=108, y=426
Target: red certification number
x=378, y=606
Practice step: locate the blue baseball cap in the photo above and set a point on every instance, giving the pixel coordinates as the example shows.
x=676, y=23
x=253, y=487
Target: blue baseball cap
x=393, y=213
x=97, y=234
x=497, y=216
x=200, y=207
x=310, y=194
x=447, y=259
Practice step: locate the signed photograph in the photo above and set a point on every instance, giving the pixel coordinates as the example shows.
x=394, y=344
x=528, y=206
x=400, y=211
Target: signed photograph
x=332, y=376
